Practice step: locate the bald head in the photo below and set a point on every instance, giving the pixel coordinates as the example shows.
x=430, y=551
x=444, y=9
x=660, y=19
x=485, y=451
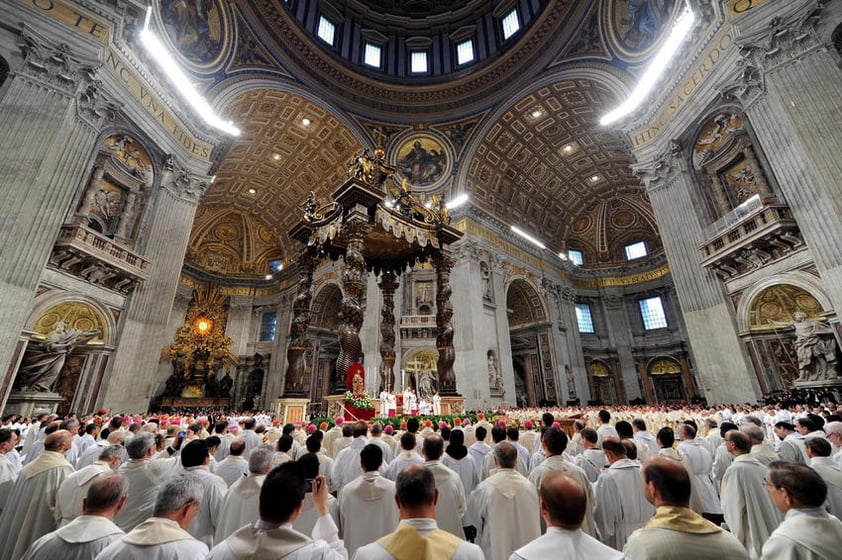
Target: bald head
x=106, y=494
x=505, y=455
x=563, y=501
x=58, y=441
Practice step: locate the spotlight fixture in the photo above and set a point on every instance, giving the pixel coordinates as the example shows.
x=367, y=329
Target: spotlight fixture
x=528, y=237
x=594, y=178
x=458, y=201
x=305, y=121
x=680, y=31
x=171, y=68
x=268, y=277
x=252, y=191
x=276, y=157
x=537, y=113
x=567, y=149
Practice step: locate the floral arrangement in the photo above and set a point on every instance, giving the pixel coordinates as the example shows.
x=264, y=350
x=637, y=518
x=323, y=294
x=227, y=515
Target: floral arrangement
x=360, y=402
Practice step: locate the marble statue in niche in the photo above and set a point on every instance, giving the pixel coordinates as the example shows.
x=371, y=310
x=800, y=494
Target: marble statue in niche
x=815, y=348
x=487, y=283
x=41, y=366
x=495, y=378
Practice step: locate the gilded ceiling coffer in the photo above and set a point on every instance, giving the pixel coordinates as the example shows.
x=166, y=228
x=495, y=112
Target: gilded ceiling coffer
x=375, y=224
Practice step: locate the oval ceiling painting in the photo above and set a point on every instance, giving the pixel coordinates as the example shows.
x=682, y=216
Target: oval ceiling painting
x=197, y=30
x=636, y=27
x=423, y=159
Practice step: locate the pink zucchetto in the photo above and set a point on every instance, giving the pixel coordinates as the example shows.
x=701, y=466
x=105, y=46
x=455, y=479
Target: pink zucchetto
x=311, y=428
x=557, y=425
x=339, y=420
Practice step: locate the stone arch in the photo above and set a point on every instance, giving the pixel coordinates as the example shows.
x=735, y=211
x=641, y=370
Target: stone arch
x=525, y=302
x=324, y=310
x=77, y=311
x=803, y=281
x=835, y=40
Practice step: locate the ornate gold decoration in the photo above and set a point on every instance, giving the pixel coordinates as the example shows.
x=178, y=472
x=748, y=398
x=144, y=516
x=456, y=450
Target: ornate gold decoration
x=200, y=343
x=664, y=366
x=75, y=315
x=778, y=304
x=598, y=369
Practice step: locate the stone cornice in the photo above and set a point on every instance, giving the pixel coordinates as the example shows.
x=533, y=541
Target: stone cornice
x=182, y=184
x=53, y=65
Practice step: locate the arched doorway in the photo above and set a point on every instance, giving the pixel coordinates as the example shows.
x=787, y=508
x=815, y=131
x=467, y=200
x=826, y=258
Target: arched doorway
x=667, y=382
x=532, y=353
x=321, y=357
x=603, y=383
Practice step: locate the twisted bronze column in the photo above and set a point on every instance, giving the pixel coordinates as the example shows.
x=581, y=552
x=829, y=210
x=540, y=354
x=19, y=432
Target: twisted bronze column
x=353, y=289
x=443, y=263
x=307, y=262
x=388, y=285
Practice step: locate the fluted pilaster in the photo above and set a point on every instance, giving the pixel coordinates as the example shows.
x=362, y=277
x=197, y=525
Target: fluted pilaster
x=49, y=117
x=144, y=331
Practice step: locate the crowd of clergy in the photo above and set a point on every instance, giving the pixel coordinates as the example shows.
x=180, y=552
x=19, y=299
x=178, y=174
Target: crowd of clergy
x=632, y=482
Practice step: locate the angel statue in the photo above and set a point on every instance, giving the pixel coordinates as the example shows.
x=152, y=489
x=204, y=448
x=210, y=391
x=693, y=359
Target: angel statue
x=42, y=365
x=815, y=347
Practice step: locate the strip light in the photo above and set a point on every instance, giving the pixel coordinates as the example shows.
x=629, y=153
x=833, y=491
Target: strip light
x=182, y=83
x=458, y=201
x=680, y=31
x=528, y=237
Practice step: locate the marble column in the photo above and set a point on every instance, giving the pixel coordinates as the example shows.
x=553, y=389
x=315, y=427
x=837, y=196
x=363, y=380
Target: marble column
x=790, y=88
x=354, y=282
x=293, y=379
x=144, y=331
x=50, y=115
x=721, y=358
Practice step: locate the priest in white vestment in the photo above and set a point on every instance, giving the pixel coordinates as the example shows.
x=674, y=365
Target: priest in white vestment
x=235, y=466
x=241, y=504
x=384, y=403
x=555, y=442
x=164, y=536
x=72, y=492
x=791, y=445
x=676, y=531
x=698, y=461
x=346, y=467
x=8, y=471
x=818, y=450
x=498, y=434
x=367, y=509
x=417, y=535
x=563, y=506
x=273, y=535
x=641, y=434
x=621, y=505
x=195, y=458
x=592, y=458
x=722, y=458
x=504, y=507
x=145, y=476
x=807, y=532
x=89, y=533
x=30, y=512
x=457, y=459
x=309, y=516
x=750, y=514
x=452, y=504
x=407, y=456
x=91, y=454
x=377, y=439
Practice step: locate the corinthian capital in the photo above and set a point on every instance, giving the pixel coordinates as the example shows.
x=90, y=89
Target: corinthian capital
x=53, y=65
x=657, y=173
x=181, y=183
x=785, y=39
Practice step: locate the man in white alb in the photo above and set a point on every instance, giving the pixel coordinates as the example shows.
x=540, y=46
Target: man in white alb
x=164, y=536
x=72, y=492
x=240, y=506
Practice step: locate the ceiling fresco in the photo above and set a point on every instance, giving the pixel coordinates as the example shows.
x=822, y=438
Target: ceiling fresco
x=529, y=155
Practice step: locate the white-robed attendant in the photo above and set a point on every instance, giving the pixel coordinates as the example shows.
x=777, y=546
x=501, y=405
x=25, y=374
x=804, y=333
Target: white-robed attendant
x=273, y=535
x=308, y=517
x=750, y=514
x=621, y=505
x=89, y=533
x=164, y=536
x=407, y=456
x=384, y=403
x=8, y=471
x=807, y=532
x=699, y=462
x=235, y=466
x=563, y=506
x=30, y=509
x=452, y=504
x=818, y=450
x=145, y=476
x=72, y=492
x=457, y=459
x=367, y=509
x=241, y=504
x=195, y=459
x=555, y=442
x=504, y=508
